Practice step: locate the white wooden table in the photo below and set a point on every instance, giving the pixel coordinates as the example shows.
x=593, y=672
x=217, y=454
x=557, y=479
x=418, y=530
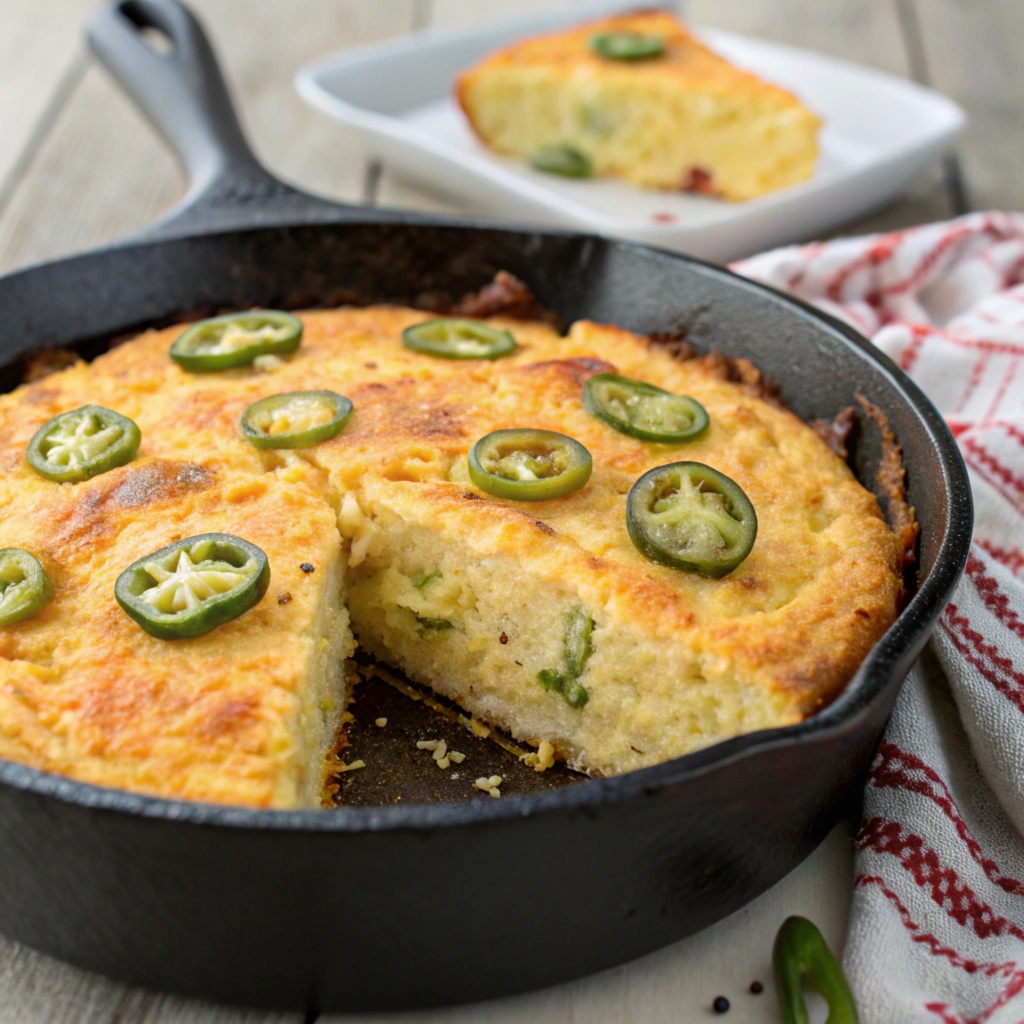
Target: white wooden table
x=79, y=167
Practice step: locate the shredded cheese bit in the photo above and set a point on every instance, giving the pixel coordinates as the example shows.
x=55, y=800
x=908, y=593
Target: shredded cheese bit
x=443, y=762
x=426, y=744
x=479, y=729
x=440, y=750
x=380, y=722
x=456, y=757
x=545, y=757
x=267, y=363
x=351, y=767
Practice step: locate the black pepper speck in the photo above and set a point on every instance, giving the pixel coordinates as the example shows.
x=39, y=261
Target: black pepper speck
x=284, y=598
x=503, y=639
x=720, y=1005
x=307, y=567
x=756, y=988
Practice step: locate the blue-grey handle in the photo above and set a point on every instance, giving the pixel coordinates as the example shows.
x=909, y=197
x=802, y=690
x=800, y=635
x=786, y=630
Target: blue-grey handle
x=183, y=94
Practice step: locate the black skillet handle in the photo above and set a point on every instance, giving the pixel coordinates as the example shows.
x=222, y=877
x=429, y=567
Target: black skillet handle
x=183, y=94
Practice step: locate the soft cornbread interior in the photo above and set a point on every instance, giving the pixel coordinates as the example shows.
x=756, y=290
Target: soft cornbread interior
x=467, y=593
x=687, y=119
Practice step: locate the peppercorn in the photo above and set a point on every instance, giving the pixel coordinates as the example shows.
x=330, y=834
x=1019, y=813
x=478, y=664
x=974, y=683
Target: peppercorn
x=720, y=1005
x=756, y=988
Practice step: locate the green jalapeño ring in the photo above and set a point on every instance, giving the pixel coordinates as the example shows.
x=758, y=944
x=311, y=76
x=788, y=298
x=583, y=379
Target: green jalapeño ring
x=194, y=585
x=689, y=516
x=83, y=443
x=453, y=338
x=529, y=465
x=224, y=342
x=24, y=586
x=627, y=45
x=298, y=419
x=642, y=410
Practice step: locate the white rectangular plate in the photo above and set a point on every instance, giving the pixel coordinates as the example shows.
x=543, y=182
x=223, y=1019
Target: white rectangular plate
x=880, y=133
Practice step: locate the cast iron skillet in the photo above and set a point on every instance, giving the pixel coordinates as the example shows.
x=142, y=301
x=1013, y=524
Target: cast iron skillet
x=421, y=904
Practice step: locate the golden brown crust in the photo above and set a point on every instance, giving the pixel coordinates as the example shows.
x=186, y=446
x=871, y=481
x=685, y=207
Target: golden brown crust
x=85, y=692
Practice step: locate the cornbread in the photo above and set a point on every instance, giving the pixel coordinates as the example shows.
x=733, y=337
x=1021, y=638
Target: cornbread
x=466, y=593
x=685, y=119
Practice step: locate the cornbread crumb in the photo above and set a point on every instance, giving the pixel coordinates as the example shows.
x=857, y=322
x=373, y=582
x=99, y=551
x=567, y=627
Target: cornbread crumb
x=479, y=729
x=456, y=757
x=440, y=750
x=351, y=767
x=545, y=756
x=489, y=785
x=426, y=744
x=380, y=722
x=443, y=762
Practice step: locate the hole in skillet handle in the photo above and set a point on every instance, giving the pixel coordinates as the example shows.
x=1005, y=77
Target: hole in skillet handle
x=152, y=35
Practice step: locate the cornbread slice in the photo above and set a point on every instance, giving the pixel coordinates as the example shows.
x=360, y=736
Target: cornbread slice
x=469, y=594
x=687, y=119
x=245, y=714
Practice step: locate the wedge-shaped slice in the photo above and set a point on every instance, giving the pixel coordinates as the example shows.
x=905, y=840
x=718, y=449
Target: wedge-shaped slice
x=679, y=118
x=244, y=714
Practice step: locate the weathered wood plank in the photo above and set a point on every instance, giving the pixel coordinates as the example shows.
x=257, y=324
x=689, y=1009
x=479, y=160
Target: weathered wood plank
x=972, y=53
x=102, y=173
x=40, y=58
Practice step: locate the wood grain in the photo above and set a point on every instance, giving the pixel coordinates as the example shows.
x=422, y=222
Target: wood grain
x=102, y=173
x=40, y=68
x=972, y=53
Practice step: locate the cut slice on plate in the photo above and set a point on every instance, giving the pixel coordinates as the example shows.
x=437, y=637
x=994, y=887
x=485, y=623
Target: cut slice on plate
x=637, y=97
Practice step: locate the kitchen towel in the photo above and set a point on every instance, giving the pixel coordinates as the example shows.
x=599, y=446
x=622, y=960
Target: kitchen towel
x=937, y=924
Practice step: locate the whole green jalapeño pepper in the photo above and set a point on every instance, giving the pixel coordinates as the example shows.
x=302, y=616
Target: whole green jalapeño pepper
x=194, y=585
x=801, y=956
x=224, y=342
x=24, y=586
x=83, y=443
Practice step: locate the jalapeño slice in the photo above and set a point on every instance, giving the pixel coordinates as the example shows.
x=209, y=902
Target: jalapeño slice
x=627, y=45
x=690, y=516
x=642, y=410
x=298, y=419
x=24, y=586
x=194, y=585
x=564, y=160
x=529, y=465
x=236, y=339
x=453, y=338
x=83, y=443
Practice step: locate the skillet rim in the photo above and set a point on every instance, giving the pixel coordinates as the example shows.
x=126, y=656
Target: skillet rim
x=901, y=642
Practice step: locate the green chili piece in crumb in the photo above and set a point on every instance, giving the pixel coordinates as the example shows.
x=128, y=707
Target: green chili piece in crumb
x=434, y=625
x=428, y=579
x=578, y=647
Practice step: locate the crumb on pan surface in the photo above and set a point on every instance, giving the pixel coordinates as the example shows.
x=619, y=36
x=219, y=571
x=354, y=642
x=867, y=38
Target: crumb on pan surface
x=686, y=120
x=353, y=528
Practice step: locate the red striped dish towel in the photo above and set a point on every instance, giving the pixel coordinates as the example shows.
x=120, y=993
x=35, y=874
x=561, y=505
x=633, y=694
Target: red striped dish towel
x=937, y=927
